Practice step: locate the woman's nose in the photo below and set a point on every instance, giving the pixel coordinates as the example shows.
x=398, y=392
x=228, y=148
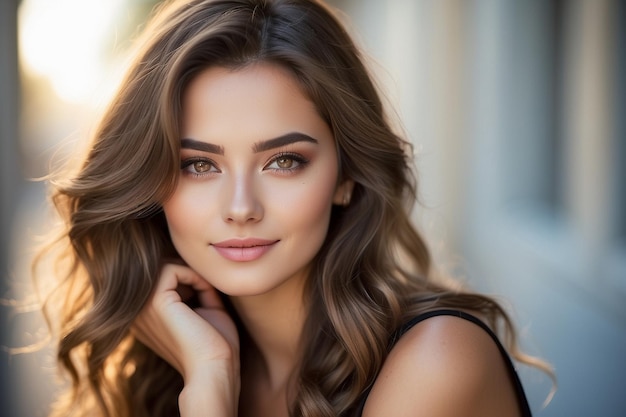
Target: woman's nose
x=242, y=204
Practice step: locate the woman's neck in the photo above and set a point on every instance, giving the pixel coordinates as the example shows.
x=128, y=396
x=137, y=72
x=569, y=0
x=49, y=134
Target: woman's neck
x=274, y=322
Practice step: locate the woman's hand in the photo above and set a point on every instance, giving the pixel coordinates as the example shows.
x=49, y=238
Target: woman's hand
x=201, y=343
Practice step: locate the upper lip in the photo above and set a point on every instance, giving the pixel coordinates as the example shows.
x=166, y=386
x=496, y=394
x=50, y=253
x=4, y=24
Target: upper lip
x=244, y=243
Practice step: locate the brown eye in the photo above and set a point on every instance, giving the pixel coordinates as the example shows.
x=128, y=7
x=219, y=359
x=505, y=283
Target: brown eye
x=198, y=167
x=284, y=162
x=201, y=166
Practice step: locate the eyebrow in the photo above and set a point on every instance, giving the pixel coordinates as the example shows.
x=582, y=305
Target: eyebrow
x=261, y=146
x=283, y=140
x=187, y=143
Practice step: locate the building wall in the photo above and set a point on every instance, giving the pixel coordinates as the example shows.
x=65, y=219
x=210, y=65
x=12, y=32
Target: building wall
x=10, y=180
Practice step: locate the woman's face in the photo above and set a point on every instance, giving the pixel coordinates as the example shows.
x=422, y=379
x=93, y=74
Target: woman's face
x=259, y=175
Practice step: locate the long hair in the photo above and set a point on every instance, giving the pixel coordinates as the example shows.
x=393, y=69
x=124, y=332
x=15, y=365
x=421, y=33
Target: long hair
x=373, y=271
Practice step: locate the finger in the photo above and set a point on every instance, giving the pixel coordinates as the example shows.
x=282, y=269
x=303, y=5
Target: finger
x=208, y=296
x=172, y=277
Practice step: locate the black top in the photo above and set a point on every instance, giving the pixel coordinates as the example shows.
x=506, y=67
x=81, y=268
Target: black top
x=519, y=390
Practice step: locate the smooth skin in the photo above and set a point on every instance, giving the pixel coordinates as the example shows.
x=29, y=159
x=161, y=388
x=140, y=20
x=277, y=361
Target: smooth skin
x=259, y=171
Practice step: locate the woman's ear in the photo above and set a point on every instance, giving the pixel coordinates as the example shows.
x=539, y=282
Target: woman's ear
x=343, y=193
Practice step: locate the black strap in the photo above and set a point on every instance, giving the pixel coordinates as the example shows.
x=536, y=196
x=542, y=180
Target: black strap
x=519, y=389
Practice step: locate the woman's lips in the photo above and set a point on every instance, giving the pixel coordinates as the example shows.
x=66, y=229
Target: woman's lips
x=244, y=250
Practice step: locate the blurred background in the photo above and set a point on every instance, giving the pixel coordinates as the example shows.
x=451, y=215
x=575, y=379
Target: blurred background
x=517, y=111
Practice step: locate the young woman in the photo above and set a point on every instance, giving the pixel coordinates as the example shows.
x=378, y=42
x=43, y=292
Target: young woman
x=240, y=243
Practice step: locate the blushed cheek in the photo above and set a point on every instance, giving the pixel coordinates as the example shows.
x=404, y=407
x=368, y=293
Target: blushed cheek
x=174, y=225
x=312, y=210
x=182, y=219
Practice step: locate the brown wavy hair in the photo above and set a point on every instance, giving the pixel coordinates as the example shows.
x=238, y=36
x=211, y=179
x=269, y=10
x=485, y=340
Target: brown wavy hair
x=373, y=272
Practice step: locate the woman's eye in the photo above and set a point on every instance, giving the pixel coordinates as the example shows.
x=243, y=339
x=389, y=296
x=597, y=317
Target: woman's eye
x=286, y=162
x=201, y=166
x=198, y=166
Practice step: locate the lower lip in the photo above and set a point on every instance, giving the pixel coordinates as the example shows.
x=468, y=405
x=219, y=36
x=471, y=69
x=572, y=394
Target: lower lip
x=243, y=254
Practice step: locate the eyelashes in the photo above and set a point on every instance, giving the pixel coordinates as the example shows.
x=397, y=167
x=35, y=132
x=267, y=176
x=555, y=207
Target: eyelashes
x=284, y=163
x=199, y=167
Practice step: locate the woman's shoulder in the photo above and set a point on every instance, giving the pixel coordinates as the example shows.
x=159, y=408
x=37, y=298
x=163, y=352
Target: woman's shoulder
x=444, y=366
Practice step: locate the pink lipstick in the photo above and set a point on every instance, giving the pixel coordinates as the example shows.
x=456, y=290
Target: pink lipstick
x=243, y=250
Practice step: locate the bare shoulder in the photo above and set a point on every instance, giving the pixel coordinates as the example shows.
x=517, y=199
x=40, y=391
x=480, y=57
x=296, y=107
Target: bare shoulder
x=444, y=366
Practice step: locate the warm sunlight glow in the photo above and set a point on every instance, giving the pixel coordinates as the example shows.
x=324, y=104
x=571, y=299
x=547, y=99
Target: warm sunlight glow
x=65, y=41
